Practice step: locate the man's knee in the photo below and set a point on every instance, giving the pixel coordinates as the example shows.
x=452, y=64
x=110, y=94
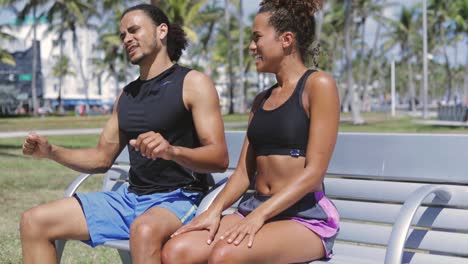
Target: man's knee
x=144, y=232
x=177, y=251
x=33, y=224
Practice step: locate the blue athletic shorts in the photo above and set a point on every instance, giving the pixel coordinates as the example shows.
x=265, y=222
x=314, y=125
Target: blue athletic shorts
x=110, y=214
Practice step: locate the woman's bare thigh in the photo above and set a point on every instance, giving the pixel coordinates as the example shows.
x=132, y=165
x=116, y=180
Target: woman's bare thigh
x=283, y=241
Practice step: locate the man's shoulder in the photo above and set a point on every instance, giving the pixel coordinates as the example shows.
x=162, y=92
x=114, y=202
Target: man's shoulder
x=131, y=85
x=194, y=76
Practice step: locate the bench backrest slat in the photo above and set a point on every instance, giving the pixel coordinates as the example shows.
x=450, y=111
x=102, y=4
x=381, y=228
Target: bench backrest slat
x=388, y=191
x=434, y=217
x=408, y=157
x=441, y=242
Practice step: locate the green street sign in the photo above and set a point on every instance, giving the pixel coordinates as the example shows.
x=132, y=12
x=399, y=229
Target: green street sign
x=25, y=77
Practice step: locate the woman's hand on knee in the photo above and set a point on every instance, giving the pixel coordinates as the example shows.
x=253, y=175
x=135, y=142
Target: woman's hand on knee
x=247, y=227
x=206, y=221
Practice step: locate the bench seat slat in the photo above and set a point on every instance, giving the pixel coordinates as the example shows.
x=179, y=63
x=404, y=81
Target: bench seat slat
x=453, y=243
x=386, y=191
x=350, y=254
x=118, y=244
x=435, y=217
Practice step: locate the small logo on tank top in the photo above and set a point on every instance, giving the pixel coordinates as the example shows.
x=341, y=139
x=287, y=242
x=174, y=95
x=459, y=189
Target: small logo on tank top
x=295, y=152
x=165, y=83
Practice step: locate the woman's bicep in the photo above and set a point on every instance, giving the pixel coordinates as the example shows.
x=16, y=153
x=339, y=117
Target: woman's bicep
x=324, y=119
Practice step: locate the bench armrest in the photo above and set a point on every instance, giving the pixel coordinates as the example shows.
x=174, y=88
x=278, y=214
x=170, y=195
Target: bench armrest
x=402, y=224
x=210, y=196
x=76, y=184
x=71, y=190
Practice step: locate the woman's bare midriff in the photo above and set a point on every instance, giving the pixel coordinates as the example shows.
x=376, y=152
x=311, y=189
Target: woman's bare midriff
x=276, y=171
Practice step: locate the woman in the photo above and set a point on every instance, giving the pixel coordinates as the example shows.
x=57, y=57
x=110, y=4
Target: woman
x=290, y=139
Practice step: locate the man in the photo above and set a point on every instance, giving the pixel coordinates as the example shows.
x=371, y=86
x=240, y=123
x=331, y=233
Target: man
x=170, y=120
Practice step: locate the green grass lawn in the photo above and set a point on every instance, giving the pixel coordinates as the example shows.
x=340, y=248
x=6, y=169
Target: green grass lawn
x=26, y=182
x=52, y=122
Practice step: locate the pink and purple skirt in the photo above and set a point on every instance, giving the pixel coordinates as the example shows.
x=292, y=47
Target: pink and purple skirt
x=313, y=211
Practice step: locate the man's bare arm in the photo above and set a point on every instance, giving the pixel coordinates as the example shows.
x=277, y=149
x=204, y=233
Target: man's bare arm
x=201, y=98
x=94, y=160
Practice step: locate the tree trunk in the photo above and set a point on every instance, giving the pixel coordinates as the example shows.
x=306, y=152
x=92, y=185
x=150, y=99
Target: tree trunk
x=353, y=95
x=34, y=65
x=241, y=58
x=370, y=66
x=447, y=65
x=229, y=62
x=465, y=80
x=412, y=90
x=449, y=73
x=61, y=110
x=82, y=74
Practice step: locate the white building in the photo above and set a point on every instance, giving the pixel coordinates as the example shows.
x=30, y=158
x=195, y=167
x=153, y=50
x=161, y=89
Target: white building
x=101, y=87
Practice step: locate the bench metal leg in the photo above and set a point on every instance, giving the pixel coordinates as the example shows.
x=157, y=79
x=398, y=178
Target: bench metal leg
x=125, y=256
x=59, y=247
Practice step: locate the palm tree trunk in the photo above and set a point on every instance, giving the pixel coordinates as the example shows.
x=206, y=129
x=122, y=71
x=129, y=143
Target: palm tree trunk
x=319, y=26
x=82, y=73
x=465, y=80
x=230, y=84
x=34, y=65
x=449, y=73
x=412, y=90
x=61, y=111
x=447, y=64
x=356, y=114
x=366, y=98
x=241, y=58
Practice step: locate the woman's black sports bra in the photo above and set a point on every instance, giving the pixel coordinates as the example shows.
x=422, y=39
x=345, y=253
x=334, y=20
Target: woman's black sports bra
x=283, y=130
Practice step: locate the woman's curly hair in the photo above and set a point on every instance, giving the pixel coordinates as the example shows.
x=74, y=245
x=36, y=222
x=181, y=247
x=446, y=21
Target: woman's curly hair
x=296, y=16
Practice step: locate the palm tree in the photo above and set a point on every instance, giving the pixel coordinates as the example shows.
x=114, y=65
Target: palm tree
x=186, y=13
x=331, y=40
x=461, y=29
x=403, y=33
x=68, y=16
x=355, y=107
x=5, y=55
x=110, y=55
x=440, y=15
x=32, y=6
x=63, y=16
x=368, y=9
x=61, y=69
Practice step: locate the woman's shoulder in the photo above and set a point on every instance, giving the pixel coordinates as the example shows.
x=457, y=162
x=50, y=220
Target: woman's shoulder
x=320, y=79
x=258, y=99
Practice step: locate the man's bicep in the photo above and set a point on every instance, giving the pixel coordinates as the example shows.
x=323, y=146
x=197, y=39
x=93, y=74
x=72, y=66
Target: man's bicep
x=111, y=140
x=203, y=101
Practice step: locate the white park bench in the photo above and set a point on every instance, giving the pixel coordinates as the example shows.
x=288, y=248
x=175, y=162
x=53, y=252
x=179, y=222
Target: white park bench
x=403, y=198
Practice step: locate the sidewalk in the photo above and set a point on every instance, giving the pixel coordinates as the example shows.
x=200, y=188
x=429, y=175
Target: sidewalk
x=90, y=131
x=54, y=132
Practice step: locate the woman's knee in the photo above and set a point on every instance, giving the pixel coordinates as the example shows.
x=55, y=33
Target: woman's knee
x=224, y=253
x=177, y=251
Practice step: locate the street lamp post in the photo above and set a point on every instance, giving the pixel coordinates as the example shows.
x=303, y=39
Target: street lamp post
x=392, y=93
x=425, y=101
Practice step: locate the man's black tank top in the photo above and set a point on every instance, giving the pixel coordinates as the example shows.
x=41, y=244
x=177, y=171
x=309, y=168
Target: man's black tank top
x=157, y=105
x=283, y=130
